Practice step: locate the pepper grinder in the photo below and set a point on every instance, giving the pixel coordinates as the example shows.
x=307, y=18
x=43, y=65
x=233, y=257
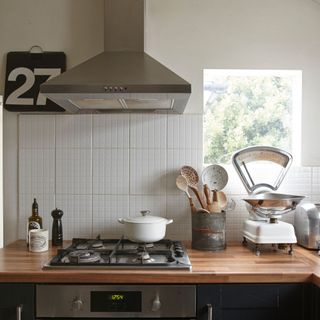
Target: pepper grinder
x=57, y=235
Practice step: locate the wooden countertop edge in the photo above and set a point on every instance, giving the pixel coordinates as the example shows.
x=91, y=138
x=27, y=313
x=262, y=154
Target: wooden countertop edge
x=44, y=277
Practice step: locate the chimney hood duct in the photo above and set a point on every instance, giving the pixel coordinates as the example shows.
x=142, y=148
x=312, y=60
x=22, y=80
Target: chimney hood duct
x=123, y=78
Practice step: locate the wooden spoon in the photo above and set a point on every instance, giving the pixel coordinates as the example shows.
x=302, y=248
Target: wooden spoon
x=192, y=178
x=207, y=193
x=222, y=199
x=215, y=204
x=182, y=184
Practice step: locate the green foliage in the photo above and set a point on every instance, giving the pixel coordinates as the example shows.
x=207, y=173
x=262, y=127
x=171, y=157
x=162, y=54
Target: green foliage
x=251, y=111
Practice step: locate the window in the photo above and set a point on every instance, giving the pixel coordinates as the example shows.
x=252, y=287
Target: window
x=251, y=107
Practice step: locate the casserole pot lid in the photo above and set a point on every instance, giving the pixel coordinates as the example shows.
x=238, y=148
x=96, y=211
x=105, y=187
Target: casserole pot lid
x=145, y=218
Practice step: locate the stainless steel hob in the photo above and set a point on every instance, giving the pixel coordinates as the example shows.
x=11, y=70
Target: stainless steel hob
x=121, y=253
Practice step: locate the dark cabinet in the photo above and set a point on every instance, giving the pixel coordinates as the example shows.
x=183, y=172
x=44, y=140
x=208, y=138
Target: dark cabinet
x=316, y=302
x=255, y=301
x=17, y=300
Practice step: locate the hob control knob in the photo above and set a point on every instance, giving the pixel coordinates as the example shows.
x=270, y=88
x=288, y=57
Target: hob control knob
x=156, y=304
x=77, y=304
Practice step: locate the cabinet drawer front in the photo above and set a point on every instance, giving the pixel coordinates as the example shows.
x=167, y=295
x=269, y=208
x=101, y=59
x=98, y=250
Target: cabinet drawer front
x=249, y=296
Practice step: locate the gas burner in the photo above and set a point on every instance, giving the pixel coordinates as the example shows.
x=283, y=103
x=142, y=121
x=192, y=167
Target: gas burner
x=121, y=253
x=97, y=244
x=84, y=256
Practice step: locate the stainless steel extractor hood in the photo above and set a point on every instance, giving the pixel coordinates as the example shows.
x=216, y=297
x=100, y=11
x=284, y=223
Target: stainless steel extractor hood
x=124, y=77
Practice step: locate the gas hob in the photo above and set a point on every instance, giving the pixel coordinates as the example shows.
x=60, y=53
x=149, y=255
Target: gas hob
x=120, y=253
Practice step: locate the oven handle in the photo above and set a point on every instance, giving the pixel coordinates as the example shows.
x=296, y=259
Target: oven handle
x=209, y=308
x=19, y=312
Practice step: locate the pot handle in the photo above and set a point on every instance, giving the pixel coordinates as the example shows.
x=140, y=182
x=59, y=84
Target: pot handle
x=169, y=221
x=121, y=220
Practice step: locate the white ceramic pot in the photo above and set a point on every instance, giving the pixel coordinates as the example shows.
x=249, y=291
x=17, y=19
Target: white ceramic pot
x=145, y=228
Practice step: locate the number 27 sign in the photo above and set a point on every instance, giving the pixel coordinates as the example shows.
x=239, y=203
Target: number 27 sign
x=24, y=74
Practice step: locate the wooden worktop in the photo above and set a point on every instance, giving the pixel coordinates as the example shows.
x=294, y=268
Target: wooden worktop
x=236, y=264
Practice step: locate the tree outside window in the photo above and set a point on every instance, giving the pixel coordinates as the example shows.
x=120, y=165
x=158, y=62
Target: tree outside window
x=244, y=108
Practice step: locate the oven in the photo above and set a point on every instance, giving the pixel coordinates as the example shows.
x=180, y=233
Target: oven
x=60, y=301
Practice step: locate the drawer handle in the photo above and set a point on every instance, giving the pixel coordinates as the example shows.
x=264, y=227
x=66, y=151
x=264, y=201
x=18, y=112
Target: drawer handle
x=19, y=312
x=209, y=307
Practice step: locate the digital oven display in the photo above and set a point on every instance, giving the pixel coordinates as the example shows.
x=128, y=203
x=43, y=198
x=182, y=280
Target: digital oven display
x=115, y=301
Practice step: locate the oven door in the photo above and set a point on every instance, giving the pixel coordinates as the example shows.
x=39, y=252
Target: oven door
x=115, y=301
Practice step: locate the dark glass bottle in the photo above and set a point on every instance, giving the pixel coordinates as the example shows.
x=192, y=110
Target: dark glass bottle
x=57, y=235
x=34, y=221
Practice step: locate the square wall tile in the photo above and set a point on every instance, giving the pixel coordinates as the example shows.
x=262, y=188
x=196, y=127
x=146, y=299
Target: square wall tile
x=185, y=131
x=148, y=131
x=37, y=171
x=111, y=131
x=176, y=158
x=77, y=217
x=46, y=204
x=106, y=211
x=73, y=171
x=36, y=131
x=147, y=171
x=73, y=131
x=156, y=204
x=110, y=171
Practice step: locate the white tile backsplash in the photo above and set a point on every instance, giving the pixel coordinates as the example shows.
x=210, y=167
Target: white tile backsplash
x=97, y=168
x=36, y=132
x=111, y=131
x=73, y=171
x=110, y=171
x=185, y=131
x=148, y=131
x=36, y=171
x=154, y=203
x=77, y=218
x=147, y=171
x=73, y=131
x=106, y=211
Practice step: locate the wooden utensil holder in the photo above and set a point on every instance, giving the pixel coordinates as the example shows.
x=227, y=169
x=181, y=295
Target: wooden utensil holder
x=209, y=231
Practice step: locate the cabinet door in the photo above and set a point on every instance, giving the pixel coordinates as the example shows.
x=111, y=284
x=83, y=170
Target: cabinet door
x=252, y=301
x=15, y=299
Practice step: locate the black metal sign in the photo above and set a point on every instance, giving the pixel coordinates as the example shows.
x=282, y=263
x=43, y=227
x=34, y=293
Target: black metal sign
x=24, y=74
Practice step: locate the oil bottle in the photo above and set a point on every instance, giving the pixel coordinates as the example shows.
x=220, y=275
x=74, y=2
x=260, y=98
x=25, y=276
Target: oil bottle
x=34, y=221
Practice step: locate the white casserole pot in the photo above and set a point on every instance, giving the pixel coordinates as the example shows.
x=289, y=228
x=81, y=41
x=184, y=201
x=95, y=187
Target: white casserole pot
x=145, y=228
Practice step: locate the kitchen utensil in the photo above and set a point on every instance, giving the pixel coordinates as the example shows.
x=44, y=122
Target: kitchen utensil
x=215, y=176
x=145, y=228
x=192, y=178
x=207, y=193
x=182, y=184
x=215, y=207
x=190, y=174
x=222, y=199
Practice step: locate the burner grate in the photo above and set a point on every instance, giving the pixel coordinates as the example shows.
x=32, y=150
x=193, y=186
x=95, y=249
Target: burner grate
x=121, y=253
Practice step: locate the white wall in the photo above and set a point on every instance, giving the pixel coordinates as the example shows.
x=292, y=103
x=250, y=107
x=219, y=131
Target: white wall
x=190, y=35
x=72, y=26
